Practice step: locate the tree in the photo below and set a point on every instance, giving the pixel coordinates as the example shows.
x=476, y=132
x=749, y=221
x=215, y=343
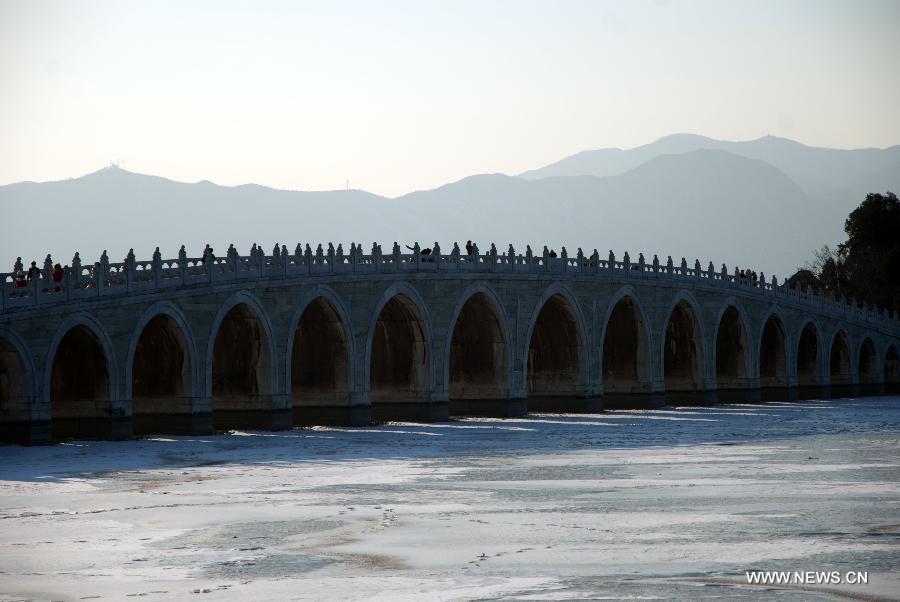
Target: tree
x=867, y=264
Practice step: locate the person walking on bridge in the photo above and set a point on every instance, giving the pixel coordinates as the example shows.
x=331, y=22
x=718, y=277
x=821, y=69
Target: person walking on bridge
x=34, y=272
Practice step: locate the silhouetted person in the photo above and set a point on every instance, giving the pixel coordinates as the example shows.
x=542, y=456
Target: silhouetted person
x=424, y=253
x=34, y=272
x=552, y=253
x=470, y=248
x=58, y=274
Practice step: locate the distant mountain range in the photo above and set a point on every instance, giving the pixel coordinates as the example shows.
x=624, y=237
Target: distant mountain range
x=764, y=204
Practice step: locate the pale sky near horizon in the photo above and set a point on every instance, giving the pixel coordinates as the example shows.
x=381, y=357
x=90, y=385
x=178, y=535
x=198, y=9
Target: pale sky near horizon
x=400, y=96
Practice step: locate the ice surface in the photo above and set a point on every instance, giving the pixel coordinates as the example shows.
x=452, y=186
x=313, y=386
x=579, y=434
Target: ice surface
x=643, y=504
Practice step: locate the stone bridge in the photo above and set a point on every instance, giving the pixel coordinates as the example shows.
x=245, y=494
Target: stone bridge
x=192, y=345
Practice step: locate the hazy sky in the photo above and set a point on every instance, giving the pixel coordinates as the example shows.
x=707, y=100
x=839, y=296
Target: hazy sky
x=398, y=96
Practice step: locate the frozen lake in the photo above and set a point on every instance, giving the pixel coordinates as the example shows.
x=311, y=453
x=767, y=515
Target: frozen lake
x=656, y=504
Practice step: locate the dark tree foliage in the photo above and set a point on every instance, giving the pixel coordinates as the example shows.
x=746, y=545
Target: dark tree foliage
x=867, y=264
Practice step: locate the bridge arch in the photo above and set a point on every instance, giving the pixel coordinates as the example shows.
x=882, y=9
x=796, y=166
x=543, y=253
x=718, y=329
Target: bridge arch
x=399, y=362
x=240, y=369
x=731, y=348
x=891, y=366
x=80, y=379
x=477, y=364
x=321, y=352
x=683, y=350
x=840, y=364
x=809, y=355
x=625, y=345
x=557, y=359
x=162, y=360
x=772, y=350
x=17, y=383
x=869, y=370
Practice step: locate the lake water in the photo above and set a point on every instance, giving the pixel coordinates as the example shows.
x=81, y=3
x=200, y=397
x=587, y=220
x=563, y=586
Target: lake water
x=659, y=504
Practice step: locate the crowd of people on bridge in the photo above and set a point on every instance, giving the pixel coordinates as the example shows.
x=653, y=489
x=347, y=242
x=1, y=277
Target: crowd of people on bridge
x=22, y=279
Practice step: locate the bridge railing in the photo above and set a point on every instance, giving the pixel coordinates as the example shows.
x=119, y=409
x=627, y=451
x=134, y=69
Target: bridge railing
x=104, y=279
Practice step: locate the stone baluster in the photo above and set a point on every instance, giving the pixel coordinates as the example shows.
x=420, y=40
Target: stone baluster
x=104, y=270
x=546, y=258
x=476, y=256
x=529, y=258
x=670, y=267
x=339, y=254
x=511, y=254
x=711, y=271
x=298, y=255
x=595, y=261
x=563, y=260
x=354, y=260
x=67, y=282
x=397, y=256
x=492, y=254
x=183, y=264
x=611, y=261
x=655, y=263
x=331, y=257
x=697, y=269
x=737, y=276
x=209, y=263
x=97, y=277
x=417, y=255
x=276, y=256
x=436, y=255
x=285, y=260
x=129, y=269
x=579, y=259
x=684, y=267
x=626, y=264
x=75, y=274
x=231, y=260
x=376, y=256
x=454, y=255
x=642, y=264
x=157, y=267
x=46, y=277
x=308, y=258
x=762, y=280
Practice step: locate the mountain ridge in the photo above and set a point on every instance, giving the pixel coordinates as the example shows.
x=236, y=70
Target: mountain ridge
x=705, y=203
